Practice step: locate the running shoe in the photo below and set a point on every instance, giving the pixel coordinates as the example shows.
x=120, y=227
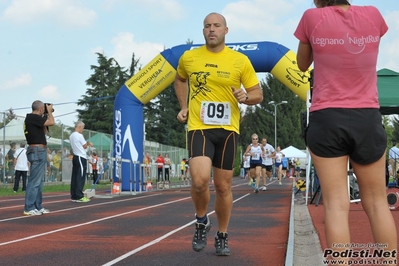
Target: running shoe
x=221, y=244
x=84, y=199
x=44, y=211
x=201, y=231
x=264, y=188
x=32, y=212
x=256, y=190
x=280, y=183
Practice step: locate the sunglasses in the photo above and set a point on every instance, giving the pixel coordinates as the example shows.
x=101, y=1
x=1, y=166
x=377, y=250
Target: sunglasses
x=254, y=139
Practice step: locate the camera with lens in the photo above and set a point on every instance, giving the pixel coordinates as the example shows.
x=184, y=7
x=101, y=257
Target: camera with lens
x=45, y=108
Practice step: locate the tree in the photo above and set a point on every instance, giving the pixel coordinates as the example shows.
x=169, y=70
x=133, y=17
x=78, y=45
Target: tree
x=250, y=124
x=387, y=123
x=60, y=131
x=7, y=117
x=98, y=101
x=259, y=119
x=161, y=123
x=395, y=132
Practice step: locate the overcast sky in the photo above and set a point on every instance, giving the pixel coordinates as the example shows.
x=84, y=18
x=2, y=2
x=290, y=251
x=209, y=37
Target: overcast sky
x=48, y=46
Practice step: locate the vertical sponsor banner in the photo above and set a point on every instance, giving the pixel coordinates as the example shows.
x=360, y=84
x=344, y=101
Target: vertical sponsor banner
x=151, y=79
x=128, y=139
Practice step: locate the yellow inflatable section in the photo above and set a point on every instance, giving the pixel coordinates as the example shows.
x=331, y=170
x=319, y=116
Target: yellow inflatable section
x=265, y=57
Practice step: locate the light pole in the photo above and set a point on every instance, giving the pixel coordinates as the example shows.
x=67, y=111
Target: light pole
x=275, y=120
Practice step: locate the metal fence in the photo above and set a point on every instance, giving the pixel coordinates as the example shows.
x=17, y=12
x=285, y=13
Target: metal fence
x=13, y=133
x=176, y=154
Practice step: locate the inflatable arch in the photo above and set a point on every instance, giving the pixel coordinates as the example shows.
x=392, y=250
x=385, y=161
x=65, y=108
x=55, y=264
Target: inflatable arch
x=158, y=74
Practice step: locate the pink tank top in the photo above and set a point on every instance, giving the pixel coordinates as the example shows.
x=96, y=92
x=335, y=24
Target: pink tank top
x=345, y=49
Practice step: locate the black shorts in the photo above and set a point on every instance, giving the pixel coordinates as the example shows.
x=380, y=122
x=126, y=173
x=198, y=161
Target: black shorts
x=254, y=165
x=336, y=132
x=268, y=168
x=218, y=144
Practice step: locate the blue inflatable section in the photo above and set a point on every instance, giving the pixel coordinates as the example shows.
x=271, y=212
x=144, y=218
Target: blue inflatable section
x=128, y=138
x=263, y=55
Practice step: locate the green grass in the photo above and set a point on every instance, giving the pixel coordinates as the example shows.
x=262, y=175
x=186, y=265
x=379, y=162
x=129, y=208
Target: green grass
x=7, y=190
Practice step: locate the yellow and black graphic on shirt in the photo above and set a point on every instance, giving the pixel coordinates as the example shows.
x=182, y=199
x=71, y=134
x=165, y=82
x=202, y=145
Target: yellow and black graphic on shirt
x=199, y=83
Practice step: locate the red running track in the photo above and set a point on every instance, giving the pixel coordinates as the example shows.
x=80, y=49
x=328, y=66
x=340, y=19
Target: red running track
x=152, y=228
x=359, y=225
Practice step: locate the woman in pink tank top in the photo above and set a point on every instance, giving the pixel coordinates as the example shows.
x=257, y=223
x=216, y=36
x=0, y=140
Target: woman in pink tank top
x=342, y=42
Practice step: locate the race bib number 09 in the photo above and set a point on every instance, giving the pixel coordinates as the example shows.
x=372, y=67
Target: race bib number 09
x=215, y=113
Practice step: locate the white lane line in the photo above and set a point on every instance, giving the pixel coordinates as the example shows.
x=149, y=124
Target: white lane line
x=130, y=253
x=91, y=222
x=79, y=207
x=289, y=257
x=44, y=197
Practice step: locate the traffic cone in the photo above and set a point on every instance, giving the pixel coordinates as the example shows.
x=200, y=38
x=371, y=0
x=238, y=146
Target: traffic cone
x=116, y=188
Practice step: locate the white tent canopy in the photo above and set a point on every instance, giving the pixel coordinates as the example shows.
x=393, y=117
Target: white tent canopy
x=292, y=152
x=14, y=130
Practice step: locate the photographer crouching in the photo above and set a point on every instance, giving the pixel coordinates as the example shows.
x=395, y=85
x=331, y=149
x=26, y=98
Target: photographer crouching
x=35, y=129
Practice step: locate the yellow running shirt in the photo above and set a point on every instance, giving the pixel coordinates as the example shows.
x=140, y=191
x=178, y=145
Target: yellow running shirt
x=211, y=76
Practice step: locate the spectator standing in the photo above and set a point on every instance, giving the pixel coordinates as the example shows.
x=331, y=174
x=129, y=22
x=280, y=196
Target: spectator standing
x=345, y=123
x=65, y=153
x=297, y=168
x=147, y=165
x=284, y=164
x=70, y=155
x=49, y=164
x=394, y=159
x=56, y=167
x=105, y=167
x=10, y=161
x=94, y=166
x=79, y=163
x=160, y=162
x=168, y=163
x=183, y=169
x=21, y=167
x=2, y=178
x=36, y=127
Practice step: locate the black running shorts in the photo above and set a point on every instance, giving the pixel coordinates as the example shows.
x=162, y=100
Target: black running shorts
x=269, y=168
x=336, y=132
x=218, y=144
x=254, y=165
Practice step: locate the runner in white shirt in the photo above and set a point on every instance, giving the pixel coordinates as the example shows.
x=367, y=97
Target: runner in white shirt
x=255, y=150
x=246, y=165
x=278, y=163
x=267, y=161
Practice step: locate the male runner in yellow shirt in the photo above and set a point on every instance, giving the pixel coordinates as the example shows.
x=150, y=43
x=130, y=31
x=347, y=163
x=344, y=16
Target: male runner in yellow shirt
x=209, y=104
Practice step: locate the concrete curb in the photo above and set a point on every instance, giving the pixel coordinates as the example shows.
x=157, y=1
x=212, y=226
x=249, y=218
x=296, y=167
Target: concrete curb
x=307, y=248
